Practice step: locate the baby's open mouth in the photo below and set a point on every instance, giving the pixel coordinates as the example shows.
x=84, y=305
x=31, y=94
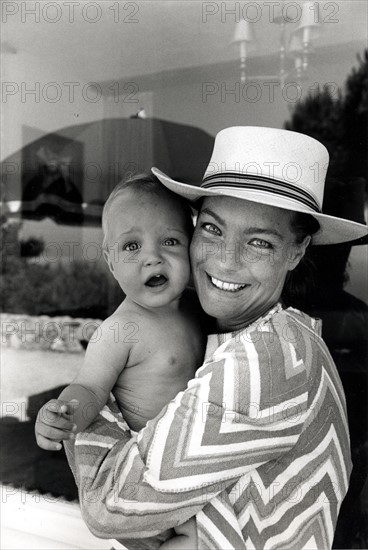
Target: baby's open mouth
x=229, y=287
x=156, y=280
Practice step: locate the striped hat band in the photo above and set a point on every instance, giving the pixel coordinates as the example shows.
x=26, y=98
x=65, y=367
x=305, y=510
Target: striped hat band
x=236, y=180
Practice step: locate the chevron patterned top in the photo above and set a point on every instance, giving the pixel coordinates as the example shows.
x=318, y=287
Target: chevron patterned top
x=257, y=447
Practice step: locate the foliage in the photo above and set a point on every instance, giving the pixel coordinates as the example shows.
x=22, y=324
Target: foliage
x=29, y=285
x=31, y=247
x=35, y=288
x=11, y=245
x=355, y=119
x=319, y=116
x=340, y=122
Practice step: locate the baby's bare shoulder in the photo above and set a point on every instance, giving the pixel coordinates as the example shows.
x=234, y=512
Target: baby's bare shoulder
x=126, y=313
x=118, y=336
x=127, y=325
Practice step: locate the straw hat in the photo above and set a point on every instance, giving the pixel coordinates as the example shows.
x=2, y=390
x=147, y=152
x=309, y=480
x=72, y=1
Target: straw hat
x=270, y=166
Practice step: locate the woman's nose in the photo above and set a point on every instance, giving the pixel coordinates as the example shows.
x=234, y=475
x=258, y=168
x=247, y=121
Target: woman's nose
x=230, y=255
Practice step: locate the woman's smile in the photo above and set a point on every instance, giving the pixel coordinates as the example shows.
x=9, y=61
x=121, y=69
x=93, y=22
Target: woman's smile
x=226, y=285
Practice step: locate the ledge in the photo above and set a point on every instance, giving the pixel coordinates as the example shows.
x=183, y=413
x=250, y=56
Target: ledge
x=32, y=520
x=59, y=334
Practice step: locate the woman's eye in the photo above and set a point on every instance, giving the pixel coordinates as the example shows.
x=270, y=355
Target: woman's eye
x=211, y=228
x=170, y=242
x=260, y=243
x=131, y=247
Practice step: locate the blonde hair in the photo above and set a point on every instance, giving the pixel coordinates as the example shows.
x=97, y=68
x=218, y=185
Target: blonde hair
x=142, y=183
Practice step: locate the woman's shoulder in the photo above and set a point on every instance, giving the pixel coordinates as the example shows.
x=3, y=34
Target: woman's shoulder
x=300, y=337
x=279, y=332
x=297, y=332
x=305, y=322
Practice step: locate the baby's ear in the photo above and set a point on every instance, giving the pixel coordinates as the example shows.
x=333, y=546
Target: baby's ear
x=297, y=252
x=108, y=260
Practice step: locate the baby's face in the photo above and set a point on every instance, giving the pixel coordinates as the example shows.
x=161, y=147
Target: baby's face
x=148, y=248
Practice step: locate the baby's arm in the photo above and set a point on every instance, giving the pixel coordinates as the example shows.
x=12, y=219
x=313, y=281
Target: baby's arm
x=79, y=403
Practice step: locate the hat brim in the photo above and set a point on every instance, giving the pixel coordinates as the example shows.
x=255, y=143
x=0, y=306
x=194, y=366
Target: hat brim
x=332, y=230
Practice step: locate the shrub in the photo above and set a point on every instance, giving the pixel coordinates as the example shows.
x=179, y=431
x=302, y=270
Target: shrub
x=78, y=289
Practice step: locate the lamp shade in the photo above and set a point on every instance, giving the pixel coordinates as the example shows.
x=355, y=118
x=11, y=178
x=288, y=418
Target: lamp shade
x=243, y=32
x=295, y=45
x=309, y=24
x=295, y=48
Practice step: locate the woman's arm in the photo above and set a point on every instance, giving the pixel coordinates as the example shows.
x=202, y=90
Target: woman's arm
x=244, y=408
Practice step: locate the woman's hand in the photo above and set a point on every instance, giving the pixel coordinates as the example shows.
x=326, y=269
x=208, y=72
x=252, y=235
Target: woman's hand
x=54, y=424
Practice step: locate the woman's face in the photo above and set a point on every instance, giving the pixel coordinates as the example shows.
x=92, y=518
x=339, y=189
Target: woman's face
x=241, y=253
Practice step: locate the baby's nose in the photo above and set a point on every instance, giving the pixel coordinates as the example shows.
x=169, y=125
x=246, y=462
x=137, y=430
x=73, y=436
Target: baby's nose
x=152, y=261
x=152, y=258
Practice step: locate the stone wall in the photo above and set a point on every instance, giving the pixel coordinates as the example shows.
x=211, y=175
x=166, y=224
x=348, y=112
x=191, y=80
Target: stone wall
x=64, y=333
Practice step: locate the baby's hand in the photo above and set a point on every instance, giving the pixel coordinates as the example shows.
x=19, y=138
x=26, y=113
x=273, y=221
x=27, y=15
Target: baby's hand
x=54, y=424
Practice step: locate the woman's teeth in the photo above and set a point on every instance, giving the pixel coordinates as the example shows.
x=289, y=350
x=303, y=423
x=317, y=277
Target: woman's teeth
x=231, y=287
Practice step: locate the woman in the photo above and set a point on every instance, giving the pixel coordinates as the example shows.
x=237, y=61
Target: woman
x=257, y=447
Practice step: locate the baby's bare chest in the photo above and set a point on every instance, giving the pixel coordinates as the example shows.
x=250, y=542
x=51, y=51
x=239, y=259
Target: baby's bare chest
x=166, y=351
x=160, y=365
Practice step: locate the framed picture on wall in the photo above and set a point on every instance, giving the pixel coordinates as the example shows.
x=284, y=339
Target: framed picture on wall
x=52, y=179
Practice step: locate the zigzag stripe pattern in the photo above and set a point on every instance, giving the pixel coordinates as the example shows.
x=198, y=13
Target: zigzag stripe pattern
x=257, y=447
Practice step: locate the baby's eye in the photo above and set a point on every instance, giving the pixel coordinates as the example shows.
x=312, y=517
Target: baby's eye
x=131, y=247
x=170, y=242
x=260, y=243
x=211, y=228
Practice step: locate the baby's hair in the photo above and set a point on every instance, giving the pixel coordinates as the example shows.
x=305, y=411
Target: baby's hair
x=144, y=184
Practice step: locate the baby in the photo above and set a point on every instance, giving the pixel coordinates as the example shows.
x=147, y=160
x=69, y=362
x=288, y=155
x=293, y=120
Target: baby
x=149, y=348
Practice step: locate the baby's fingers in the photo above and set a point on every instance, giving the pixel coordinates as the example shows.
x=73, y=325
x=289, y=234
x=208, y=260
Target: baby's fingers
x=55, y=422
x=54, y=406
x=53, y=434
x=49, y=418
x=47, y=444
